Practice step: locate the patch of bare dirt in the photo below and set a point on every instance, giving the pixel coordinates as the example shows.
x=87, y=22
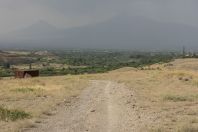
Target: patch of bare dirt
x=105, y=106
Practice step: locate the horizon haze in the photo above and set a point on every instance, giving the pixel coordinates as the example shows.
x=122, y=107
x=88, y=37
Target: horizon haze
x=137, y=25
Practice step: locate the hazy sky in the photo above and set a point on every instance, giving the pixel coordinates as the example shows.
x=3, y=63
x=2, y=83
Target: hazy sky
x=15, y=14
x=134, y=24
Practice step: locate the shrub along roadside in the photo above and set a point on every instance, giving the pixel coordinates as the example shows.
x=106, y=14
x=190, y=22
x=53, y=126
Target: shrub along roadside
x=12, y=115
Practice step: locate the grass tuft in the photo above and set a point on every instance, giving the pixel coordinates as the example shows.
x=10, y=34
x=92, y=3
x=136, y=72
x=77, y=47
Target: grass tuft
x=194, y=121
x=176, y=98
x=189, y=128
x=24, y=90
x=12, y=115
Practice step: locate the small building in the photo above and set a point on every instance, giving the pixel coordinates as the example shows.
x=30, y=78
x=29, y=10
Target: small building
x=26, y=73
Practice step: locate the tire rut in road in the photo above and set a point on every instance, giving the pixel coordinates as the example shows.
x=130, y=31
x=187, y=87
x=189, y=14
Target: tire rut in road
x=105, y=106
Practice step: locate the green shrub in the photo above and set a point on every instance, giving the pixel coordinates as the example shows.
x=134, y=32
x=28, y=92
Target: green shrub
x=5, y=73
x=12, y=115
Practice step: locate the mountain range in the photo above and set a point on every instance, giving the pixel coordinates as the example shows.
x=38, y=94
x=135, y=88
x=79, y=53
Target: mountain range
x=121, y=32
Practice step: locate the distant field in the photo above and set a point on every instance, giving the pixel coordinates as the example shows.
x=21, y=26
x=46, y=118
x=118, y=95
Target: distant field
x=52, y=63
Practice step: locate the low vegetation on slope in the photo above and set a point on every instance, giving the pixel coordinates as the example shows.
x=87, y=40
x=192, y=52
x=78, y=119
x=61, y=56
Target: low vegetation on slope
x=168, y=98
x=80, y=62
x=23, y=101
x=12, y=115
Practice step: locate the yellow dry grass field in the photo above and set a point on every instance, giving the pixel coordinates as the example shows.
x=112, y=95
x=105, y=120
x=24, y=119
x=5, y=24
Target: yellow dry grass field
x=167, y=95
x=184, y=64
x=36, y=96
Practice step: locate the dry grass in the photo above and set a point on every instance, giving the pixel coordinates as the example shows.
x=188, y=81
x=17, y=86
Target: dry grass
x=188, y=64
x=169, y=97
x=34, y=97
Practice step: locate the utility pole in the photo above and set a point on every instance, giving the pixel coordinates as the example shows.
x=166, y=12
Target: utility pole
x=184, y=51
x=30, y=66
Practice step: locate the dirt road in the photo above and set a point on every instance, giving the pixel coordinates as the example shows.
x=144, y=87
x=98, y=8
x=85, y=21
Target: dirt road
x=104, y=106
